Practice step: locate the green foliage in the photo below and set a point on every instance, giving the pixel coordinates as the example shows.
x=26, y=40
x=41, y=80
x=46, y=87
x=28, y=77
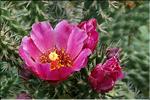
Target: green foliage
x=126, y=26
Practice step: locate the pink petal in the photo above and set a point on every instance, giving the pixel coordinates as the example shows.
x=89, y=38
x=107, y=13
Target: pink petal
x=75, y=42
x=42, y=70
x=121, y=76
x=30, y=48
x=93, y=36
x=42, y=35
x=93, y=82
x=63, y=30
x=98, y=73
x=81, y=25
x=89, y=25
x=92, y=23
x=92, y=40
x=65, y=72
x=106, y=85
x=79, y=61
x=110, y=63
x=85, y=62
x=27, y=59
x=117, y=74
x=45, y=73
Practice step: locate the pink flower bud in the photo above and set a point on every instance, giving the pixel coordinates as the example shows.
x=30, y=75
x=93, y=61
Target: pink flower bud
x=23, y=96
x=103, y=77
x=93, y=36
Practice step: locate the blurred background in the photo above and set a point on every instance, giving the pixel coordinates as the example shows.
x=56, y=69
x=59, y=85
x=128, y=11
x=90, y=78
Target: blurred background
x=124, y=23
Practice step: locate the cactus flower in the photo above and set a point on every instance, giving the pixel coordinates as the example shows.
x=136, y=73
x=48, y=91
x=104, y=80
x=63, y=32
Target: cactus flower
x=23, y=96
x=93, y=36
x=103, y=77
x=53, y=54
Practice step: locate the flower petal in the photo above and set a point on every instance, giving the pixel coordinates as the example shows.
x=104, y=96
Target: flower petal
x=79, y=61
x=65, y=72
x=93, y=82
x=89, y=25
x=92, y=40
x=111, y=63
x=75, y=42
x=30, y=48
x=106, y=85
x=92, y=23
x=98, y=71
x=44, y=72
x=63, y=30
x=43, y=36
x=27, y=59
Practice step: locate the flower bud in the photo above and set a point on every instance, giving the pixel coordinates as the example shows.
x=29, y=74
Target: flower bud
x=103, y=77
x=23, y=96
x=93, y=36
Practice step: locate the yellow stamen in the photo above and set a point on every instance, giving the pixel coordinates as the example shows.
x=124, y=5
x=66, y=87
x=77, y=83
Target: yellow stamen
x=53, y=56
x=56, y=58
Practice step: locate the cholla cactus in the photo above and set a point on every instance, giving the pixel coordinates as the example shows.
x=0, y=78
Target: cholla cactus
x=17, y=18
x=9, y=47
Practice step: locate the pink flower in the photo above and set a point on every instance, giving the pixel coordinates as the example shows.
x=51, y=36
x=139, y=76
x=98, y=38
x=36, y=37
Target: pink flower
x=23, y=96
x=93, y=36
x=54, y=54
x=104, y=76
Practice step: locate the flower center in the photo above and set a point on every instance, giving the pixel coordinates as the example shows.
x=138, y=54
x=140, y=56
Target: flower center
x=53, y=56
x=56, y=58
